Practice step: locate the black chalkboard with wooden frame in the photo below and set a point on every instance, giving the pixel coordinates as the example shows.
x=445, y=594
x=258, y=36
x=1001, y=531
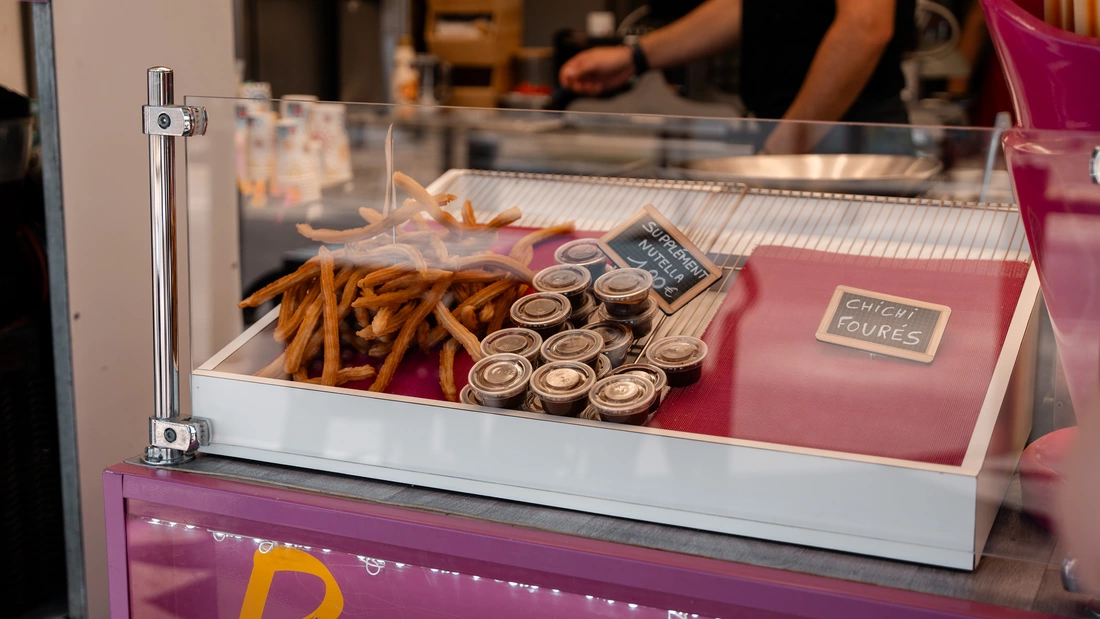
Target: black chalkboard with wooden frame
x=648, y=240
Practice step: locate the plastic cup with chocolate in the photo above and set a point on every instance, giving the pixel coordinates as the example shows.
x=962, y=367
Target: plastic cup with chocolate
x=584, y=253
x=468, y=396
x=641, y=324
x=542, y=312
x=655, y=374
x=623, y=398
x=623, y=291
x=501, y=380
x=680, y=356
x=588, y=306
x=563, y=387
x=617, y=338
x=577, y=345
x=517, y=341
x=568, y=280
x=532, y=403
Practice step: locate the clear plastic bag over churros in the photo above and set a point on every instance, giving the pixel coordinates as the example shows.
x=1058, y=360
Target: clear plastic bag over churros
x=397, y=282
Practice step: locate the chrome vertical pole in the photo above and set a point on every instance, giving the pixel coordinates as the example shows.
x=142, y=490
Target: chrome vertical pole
x=162, y=202
x=171, y=439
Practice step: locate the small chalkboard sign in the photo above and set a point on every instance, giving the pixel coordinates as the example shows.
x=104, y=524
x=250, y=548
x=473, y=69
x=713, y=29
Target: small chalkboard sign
x=650, y=241
x=884, y=324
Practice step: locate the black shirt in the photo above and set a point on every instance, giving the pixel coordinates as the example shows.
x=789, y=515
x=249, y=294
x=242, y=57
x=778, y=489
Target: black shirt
x=779, y=39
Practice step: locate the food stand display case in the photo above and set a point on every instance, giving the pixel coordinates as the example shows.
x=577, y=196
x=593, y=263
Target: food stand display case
x=852, y=344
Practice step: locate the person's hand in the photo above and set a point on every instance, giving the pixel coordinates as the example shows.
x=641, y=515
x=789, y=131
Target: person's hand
x=597, y=70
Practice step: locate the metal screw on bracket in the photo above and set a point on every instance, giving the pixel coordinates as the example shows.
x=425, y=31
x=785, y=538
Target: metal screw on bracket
x=170, y=435
x=164, y=121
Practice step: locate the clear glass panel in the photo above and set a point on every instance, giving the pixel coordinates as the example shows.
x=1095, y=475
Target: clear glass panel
x=869, y=323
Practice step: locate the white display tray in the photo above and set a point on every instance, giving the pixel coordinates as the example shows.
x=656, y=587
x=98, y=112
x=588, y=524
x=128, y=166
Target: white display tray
x=893, y=508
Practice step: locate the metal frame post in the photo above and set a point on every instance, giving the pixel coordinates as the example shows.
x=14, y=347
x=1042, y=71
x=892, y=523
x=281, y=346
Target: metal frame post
x=172, y=439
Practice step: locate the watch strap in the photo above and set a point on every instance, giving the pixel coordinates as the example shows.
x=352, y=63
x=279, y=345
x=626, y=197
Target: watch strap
x=641, y=62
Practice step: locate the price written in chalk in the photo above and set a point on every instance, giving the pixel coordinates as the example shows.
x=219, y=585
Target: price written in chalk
x=648, y=240
x=884, y=324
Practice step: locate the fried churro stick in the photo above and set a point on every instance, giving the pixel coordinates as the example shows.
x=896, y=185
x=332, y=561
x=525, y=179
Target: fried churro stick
x=285, y=329
x=370, y=215
x=447, y=370
x=475, y=276
x=395, y=251
x=419, y=223
x=438, y=247
x=468, y=318
x=372, y=301
x=487, y=294
x=408, y=331
x=505, y=218
x=273, y=369
x=500, y=309
x=393, y=325
x=421, y=196
x=382, y=276
x=487, y=312
x=382, y=318
x=468, y=218
x=346, y=375
x=301, y=376
x=468, y=340
x=422, y=333
x=405, y=281
x=493, y=261
x=348, y=334
x=379, y=350
x=287, y=306
x=330, y=321
x=396, y=218
x=474, y=302
x=524, y=248
x=362, y=316
x=295, y=353
x=305, y=273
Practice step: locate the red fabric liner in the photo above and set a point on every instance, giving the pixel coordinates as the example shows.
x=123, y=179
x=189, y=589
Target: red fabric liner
x=767, y=378
x=418, y=375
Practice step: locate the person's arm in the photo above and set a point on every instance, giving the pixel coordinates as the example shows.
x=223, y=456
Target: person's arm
x=845, y=60
x=713, y=26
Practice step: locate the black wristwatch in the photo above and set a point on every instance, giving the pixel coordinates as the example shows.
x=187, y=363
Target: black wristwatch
x=637, y=54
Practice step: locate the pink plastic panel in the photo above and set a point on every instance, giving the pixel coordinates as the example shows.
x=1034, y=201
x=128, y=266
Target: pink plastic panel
x=182, y=570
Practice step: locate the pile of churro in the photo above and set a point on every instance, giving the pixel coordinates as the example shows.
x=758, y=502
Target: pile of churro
x=396, y=282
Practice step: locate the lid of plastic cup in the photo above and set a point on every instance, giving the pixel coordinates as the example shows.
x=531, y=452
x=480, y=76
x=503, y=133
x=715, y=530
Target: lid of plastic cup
x=532, y=403
x=648, y=312
x=469, y=396
x=503, y=375
x=516, y=341
x=577, y=345
x=541, y=309
x=563, y=381
x=603, y=367
x=622, y=394
x=624, y=286
x=582, y=252
x=566, y=279
x=677, y=353
x=614, y=334
x=655, y=374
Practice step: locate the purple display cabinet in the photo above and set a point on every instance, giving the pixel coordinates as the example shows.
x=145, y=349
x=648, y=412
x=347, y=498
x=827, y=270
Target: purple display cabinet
x=183, y=544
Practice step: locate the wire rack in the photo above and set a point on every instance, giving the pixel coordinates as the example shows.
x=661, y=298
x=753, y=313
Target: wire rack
x=729, y=220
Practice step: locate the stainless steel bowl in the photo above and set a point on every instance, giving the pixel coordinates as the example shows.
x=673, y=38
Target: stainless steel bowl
x=863, y=174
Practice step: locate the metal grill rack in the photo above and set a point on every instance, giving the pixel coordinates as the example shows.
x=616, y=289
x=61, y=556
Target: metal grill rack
x=729, y=220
